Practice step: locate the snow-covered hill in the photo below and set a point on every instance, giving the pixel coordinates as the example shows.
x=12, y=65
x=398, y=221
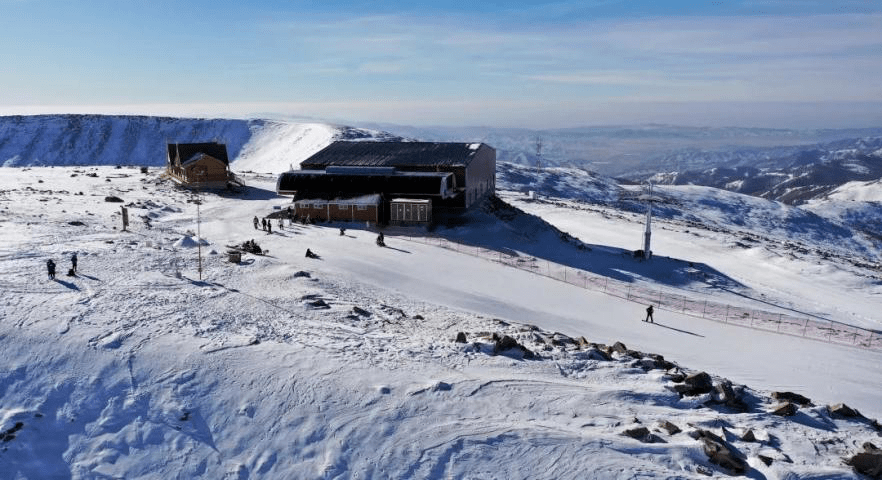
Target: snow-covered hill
x=347, y=366
x=260, y=145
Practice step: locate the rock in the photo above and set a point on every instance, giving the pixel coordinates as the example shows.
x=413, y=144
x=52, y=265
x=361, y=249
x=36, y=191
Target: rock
x=675, y=375
x=765, y=459
x=302, y=274
x=786, y=409
x=869, y=447
x=725, y=394
x=77, y=223
x=793, y=398
x=360, y=311
x=114, y=199
x=595, y=354
x=318, y=304
x=583, y=342
x=695, y=384
x=670, y=428
x=749, y=436
x=867, y=463
x=418, y=317
x=642, y=434
x=720, y=453
x=442, y=387
x=461, y=337
x=619, y=347
x=507, y=343
x=843, y=410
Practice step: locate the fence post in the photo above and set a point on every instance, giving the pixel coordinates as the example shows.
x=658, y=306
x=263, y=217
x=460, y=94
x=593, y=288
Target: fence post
x=805, y=327
x=705, y=309
x=684, y=304
x=659, y=297
x=628, y=295
x=830, y=334
x=727, y=314
x=606, y=285
x=779, y=323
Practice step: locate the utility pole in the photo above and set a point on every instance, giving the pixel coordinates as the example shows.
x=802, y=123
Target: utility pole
x=647, y=252
x=199, y=176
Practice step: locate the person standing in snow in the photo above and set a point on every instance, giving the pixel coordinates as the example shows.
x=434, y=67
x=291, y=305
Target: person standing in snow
x=649, y=318
x=256, y=222
x=281, y=223
x=269, y=227
x=50, y=267
x=73, y=262
x=263, y=223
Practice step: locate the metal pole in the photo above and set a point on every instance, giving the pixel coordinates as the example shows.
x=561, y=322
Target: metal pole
x=805, y=327
x=705, y=309
x=779, y=322
x=727, y=314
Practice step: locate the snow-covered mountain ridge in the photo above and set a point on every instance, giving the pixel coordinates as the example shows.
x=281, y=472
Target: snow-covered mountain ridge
x=273, y=146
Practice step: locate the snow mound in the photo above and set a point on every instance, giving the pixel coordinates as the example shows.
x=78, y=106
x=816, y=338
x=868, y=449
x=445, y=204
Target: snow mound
x=190, y=242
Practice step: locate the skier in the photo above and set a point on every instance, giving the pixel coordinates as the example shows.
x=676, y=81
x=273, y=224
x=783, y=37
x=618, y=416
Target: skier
x=281, y=223
x=649, y=318
x=263, y=223
x=269, y=227
x=309, y=254
x=256, y=222
x=73, y=262
x=342, y=231
x=381, y=241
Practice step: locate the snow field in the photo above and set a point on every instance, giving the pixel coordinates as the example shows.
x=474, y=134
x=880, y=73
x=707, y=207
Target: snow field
x=261, y=371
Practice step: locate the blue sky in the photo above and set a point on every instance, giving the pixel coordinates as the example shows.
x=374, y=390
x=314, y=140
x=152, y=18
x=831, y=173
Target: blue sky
x=520, y=64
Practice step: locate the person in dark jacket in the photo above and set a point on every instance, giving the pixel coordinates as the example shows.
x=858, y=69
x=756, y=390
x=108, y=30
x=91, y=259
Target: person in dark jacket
x=263, y=223
x=381, y=240
x=649, y=318
x=73, y=262
x=309, y=254
x=256, y=223
x=50, y=267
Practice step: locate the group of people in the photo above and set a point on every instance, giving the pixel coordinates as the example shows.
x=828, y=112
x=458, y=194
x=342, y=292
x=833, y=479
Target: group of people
x=266, y=225
x=50, y=267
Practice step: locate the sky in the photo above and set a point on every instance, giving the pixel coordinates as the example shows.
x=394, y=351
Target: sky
x=798, y=64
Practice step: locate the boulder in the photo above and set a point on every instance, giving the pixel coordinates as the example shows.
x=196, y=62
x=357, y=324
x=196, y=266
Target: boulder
x=670, y=428
x=461, y=337
x=792, y=398
x=843, y=410
x=642, y=434
x=507, y=343
x=720, y=453
x=695, y=384
x=619, y=348
x=595, y=354
x=868, y=463
x=786, y=409
x=583, y=342
x=675, y=375
x=724, y=393
x=113, y=199
x=748, y=436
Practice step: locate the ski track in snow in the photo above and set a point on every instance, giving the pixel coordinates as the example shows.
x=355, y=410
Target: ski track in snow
x=126, y=370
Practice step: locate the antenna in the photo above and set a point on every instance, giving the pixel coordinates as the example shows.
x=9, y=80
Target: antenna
x=538, y=153
x=647, y=253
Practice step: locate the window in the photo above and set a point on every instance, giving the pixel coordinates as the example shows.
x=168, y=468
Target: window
x=340, y=206
x=362, y=207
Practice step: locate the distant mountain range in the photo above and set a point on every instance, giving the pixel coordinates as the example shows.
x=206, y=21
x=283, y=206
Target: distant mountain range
x=790, y=175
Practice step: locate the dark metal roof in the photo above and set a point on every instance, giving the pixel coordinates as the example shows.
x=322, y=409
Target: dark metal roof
x=393, y=154
x=189, y=150
x=320, y=184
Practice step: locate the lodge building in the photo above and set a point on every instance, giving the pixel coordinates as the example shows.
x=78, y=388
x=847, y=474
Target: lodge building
x=204, y=165
x=404, y=182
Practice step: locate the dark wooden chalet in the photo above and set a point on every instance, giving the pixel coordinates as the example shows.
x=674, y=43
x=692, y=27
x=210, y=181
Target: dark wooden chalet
x=199, y=164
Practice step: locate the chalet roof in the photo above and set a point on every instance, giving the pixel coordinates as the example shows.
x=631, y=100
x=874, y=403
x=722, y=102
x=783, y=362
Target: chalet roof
x=186, y=151
x=393, y=154
x=197, y=157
